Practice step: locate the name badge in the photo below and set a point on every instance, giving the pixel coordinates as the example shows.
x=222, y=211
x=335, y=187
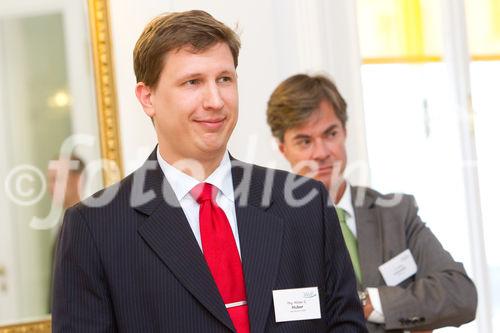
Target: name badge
x=398, y=268
x=296, y=304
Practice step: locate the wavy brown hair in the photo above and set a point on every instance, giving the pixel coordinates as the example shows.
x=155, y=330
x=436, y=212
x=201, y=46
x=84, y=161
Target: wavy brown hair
x=296, y=98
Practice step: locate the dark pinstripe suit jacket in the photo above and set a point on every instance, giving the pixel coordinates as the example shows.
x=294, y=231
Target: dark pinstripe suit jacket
x=137, y=267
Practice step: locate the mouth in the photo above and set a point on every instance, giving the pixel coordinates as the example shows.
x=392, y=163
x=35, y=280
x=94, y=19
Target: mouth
x=211, y=124
x=325, y=169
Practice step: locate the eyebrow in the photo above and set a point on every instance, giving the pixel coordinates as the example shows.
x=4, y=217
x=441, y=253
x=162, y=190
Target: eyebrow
x=189, y=76
x=330, y=128
x=225, y=72
x=306, y=136
x=300, y=136
x=198, y=74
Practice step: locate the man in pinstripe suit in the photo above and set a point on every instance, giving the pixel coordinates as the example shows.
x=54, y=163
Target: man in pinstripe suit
x=308, y=115
x=133, y=257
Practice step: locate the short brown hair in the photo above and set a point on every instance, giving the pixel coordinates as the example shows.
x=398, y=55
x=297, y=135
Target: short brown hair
x=296, y=98
x=171, y=31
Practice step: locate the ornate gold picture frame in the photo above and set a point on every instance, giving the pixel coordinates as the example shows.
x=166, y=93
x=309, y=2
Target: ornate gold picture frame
x=105, y=90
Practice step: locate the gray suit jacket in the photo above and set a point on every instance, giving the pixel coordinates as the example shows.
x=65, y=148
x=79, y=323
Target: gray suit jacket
x=439, y=294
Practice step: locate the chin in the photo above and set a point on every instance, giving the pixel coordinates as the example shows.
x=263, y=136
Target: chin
x=325, y=181
x=327, y=185
x=213, y=147
x=215, y=141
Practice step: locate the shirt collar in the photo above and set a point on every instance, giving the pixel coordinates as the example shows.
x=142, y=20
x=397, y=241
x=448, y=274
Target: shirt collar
x=182, y=183
x=345, y=201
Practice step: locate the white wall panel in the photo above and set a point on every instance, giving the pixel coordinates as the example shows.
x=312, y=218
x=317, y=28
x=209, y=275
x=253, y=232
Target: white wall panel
x=279, y=39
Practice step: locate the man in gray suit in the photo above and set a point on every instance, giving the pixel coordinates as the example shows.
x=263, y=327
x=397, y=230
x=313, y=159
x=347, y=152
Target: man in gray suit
x=405, y=279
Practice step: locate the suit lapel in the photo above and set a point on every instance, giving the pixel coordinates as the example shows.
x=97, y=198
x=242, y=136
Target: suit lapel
x=260, y=236
x=167, y=232
x=370, y=239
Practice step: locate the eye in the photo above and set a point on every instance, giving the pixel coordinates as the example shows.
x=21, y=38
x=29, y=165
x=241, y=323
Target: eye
x=332, y=134
x=303, y=143
x=225, y=79
x=192, y=82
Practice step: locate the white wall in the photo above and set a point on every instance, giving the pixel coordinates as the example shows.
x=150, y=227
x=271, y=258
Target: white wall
x=279, y=39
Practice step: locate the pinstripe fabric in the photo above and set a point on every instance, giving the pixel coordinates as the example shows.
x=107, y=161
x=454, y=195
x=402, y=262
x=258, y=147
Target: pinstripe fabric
x=139, y=269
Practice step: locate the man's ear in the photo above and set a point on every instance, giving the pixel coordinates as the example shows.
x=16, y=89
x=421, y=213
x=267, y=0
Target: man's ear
x=281, y=146
x=143, y=94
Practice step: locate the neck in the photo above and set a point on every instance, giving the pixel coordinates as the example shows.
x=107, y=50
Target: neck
x=199, y=167
x=337, y=191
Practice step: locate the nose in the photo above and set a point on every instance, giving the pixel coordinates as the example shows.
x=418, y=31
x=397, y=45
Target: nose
x=213, y=99
x=320, y=151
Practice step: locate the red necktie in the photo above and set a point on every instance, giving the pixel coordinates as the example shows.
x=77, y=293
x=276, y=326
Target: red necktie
x=221, y=254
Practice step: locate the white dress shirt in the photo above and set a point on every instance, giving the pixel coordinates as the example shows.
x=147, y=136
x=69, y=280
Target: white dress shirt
x=345, y=203
x=182, y=184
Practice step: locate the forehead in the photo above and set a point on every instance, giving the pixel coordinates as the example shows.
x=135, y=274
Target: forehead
x=187, y=60
x=320, y=119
